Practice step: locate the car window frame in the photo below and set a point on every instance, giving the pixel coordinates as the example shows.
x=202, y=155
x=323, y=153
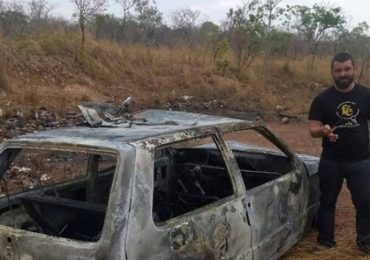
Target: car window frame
x=266, y=132
x=110, y=151
x=236, y=193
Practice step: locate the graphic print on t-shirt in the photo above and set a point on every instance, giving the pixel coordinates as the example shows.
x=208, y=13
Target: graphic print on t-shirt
x=347, y=113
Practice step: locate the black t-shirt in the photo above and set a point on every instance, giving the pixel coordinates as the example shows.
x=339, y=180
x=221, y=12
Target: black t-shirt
x=348, y=112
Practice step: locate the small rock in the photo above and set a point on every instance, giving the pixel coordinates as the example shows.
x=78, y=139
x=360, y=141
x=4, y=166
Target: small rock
x=186, y=98
x=19, y=114
x=44, y=177
x=285, y=120
x=279, y=108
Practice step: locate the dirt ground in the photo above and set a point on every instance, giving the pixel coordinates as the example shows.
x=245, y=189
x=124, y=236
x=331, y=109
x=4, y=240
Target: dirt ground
x=295, y=134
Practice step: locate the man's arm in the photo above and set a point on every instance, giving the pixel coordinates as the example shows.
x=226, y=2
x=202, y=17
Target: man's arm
x=318, y=130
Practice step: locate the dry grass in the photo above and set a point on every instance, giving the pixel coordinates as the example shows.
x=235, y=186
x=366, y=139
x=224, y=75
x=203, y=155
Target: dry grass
x=39, y=69
x=4, y=82
x=345, y=236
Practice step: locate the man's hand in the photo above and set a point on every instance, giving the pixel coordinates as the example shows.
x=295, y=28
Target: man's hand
x=329, y=132
x=318, y=130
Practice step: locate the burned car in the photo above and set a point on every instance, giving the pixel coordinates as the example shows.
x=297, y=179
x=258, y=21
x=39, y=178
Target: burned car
x=172, y=185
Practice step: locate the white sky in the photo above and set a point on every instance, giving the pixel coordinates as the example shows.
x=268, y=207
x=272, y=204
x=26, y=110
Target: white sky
x=215, y=10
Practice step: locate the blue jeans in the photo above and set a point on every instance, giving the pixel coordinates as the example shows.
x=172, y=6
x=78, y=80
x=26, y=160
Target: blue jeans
x=332, y=174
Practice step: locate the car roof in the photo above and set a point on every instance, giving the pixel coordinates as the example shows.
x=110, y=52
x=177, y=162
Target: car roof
x=152, y=123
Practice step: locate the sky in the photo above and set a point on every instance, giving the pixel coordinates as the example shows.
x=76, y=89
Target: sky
x=215, y=10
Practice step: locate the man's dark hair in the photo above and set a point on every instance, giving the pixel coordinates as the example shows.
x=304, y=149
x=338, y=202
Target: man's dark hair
x=342, y=57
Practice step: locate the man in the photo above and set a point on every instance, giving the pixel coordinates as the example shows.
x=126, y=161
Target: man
x=339, y=116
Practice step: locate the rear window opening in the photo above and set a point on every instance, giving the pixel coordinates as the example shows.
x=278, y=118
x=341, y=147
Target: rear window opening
x=260, y=161
x=58, y=193
x=186, y=179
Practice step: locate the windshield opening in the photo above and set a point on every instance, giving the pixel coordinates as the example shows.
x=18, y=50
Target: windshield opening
x=58, y=193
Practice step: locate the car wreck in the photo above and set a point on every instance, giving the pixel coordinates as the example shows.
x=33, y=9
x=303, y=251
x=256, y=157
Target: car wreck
x=159, y=185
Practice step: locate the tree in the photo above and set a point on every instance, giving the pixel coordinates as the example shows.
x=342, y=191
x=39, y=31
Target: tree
x=272, y=12
x=15, y=6
x=185, y=22
x=246, y=31
x=126, y=5
x=356, y=42
x=39, y=11
x=149, y=18
x=314, y=23
x=2, y=6
x=85, y=10
x=13, y=18
x=107, y=26
x=39, y=14
x=208, y=30
x=211, y=37
x=142, y=17
x=270, y=7
x=280, y=42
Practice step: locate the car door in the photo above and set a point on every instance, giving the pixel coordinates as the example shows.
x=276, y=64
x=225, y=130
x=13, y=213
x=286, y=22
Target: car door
x=277, y=190
x=187, y=217
x=275, y=218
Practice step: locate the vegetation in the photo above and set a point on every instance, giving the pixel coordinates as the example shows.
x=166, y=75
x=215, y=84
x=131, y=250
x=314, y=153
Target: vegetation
x=263, y=55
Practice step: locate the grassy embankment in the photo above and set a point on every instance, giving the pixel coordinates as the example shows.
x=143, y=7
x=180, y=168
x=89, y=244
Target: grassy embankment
x=49, y=70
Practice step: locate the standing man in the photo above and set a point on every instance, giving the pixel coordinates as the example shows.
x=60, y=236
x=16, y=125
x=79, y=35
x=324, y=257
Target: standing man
x=339, y=116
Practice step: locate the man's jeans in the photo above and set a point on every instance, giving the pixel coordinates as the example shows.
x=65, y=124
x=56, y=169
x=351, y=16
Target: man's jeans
x=331, y=174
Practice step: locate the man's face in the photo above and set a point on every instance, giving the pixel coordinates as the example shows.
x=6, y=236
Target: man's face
x=343, y=73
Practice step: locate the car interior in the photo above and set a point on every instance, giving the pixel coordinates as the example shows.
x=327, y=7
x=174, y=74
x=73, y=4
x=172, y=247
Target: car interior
x=72, y=207
x=189, y=178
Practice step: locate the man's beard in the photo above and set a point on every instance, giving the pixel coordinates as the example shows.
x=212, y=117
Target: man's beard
x=344, y=82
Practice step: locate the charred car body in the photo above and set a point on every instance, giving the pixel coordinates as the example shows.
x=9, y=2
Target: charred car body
x=173, y=185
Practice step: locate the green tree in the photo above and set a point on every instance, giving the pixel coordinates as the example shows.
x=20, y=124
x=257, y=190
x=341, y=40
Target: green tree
x=246, y=29
x=13, y=22
x=280, y=42
x=356, y=42
x=210, y=37
x=271, y=13
x=107, y=26
x=13, y=18
x=141, y=18
x=149, y=18
x=214, y=41
x=208, y=30
x=315, y=23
